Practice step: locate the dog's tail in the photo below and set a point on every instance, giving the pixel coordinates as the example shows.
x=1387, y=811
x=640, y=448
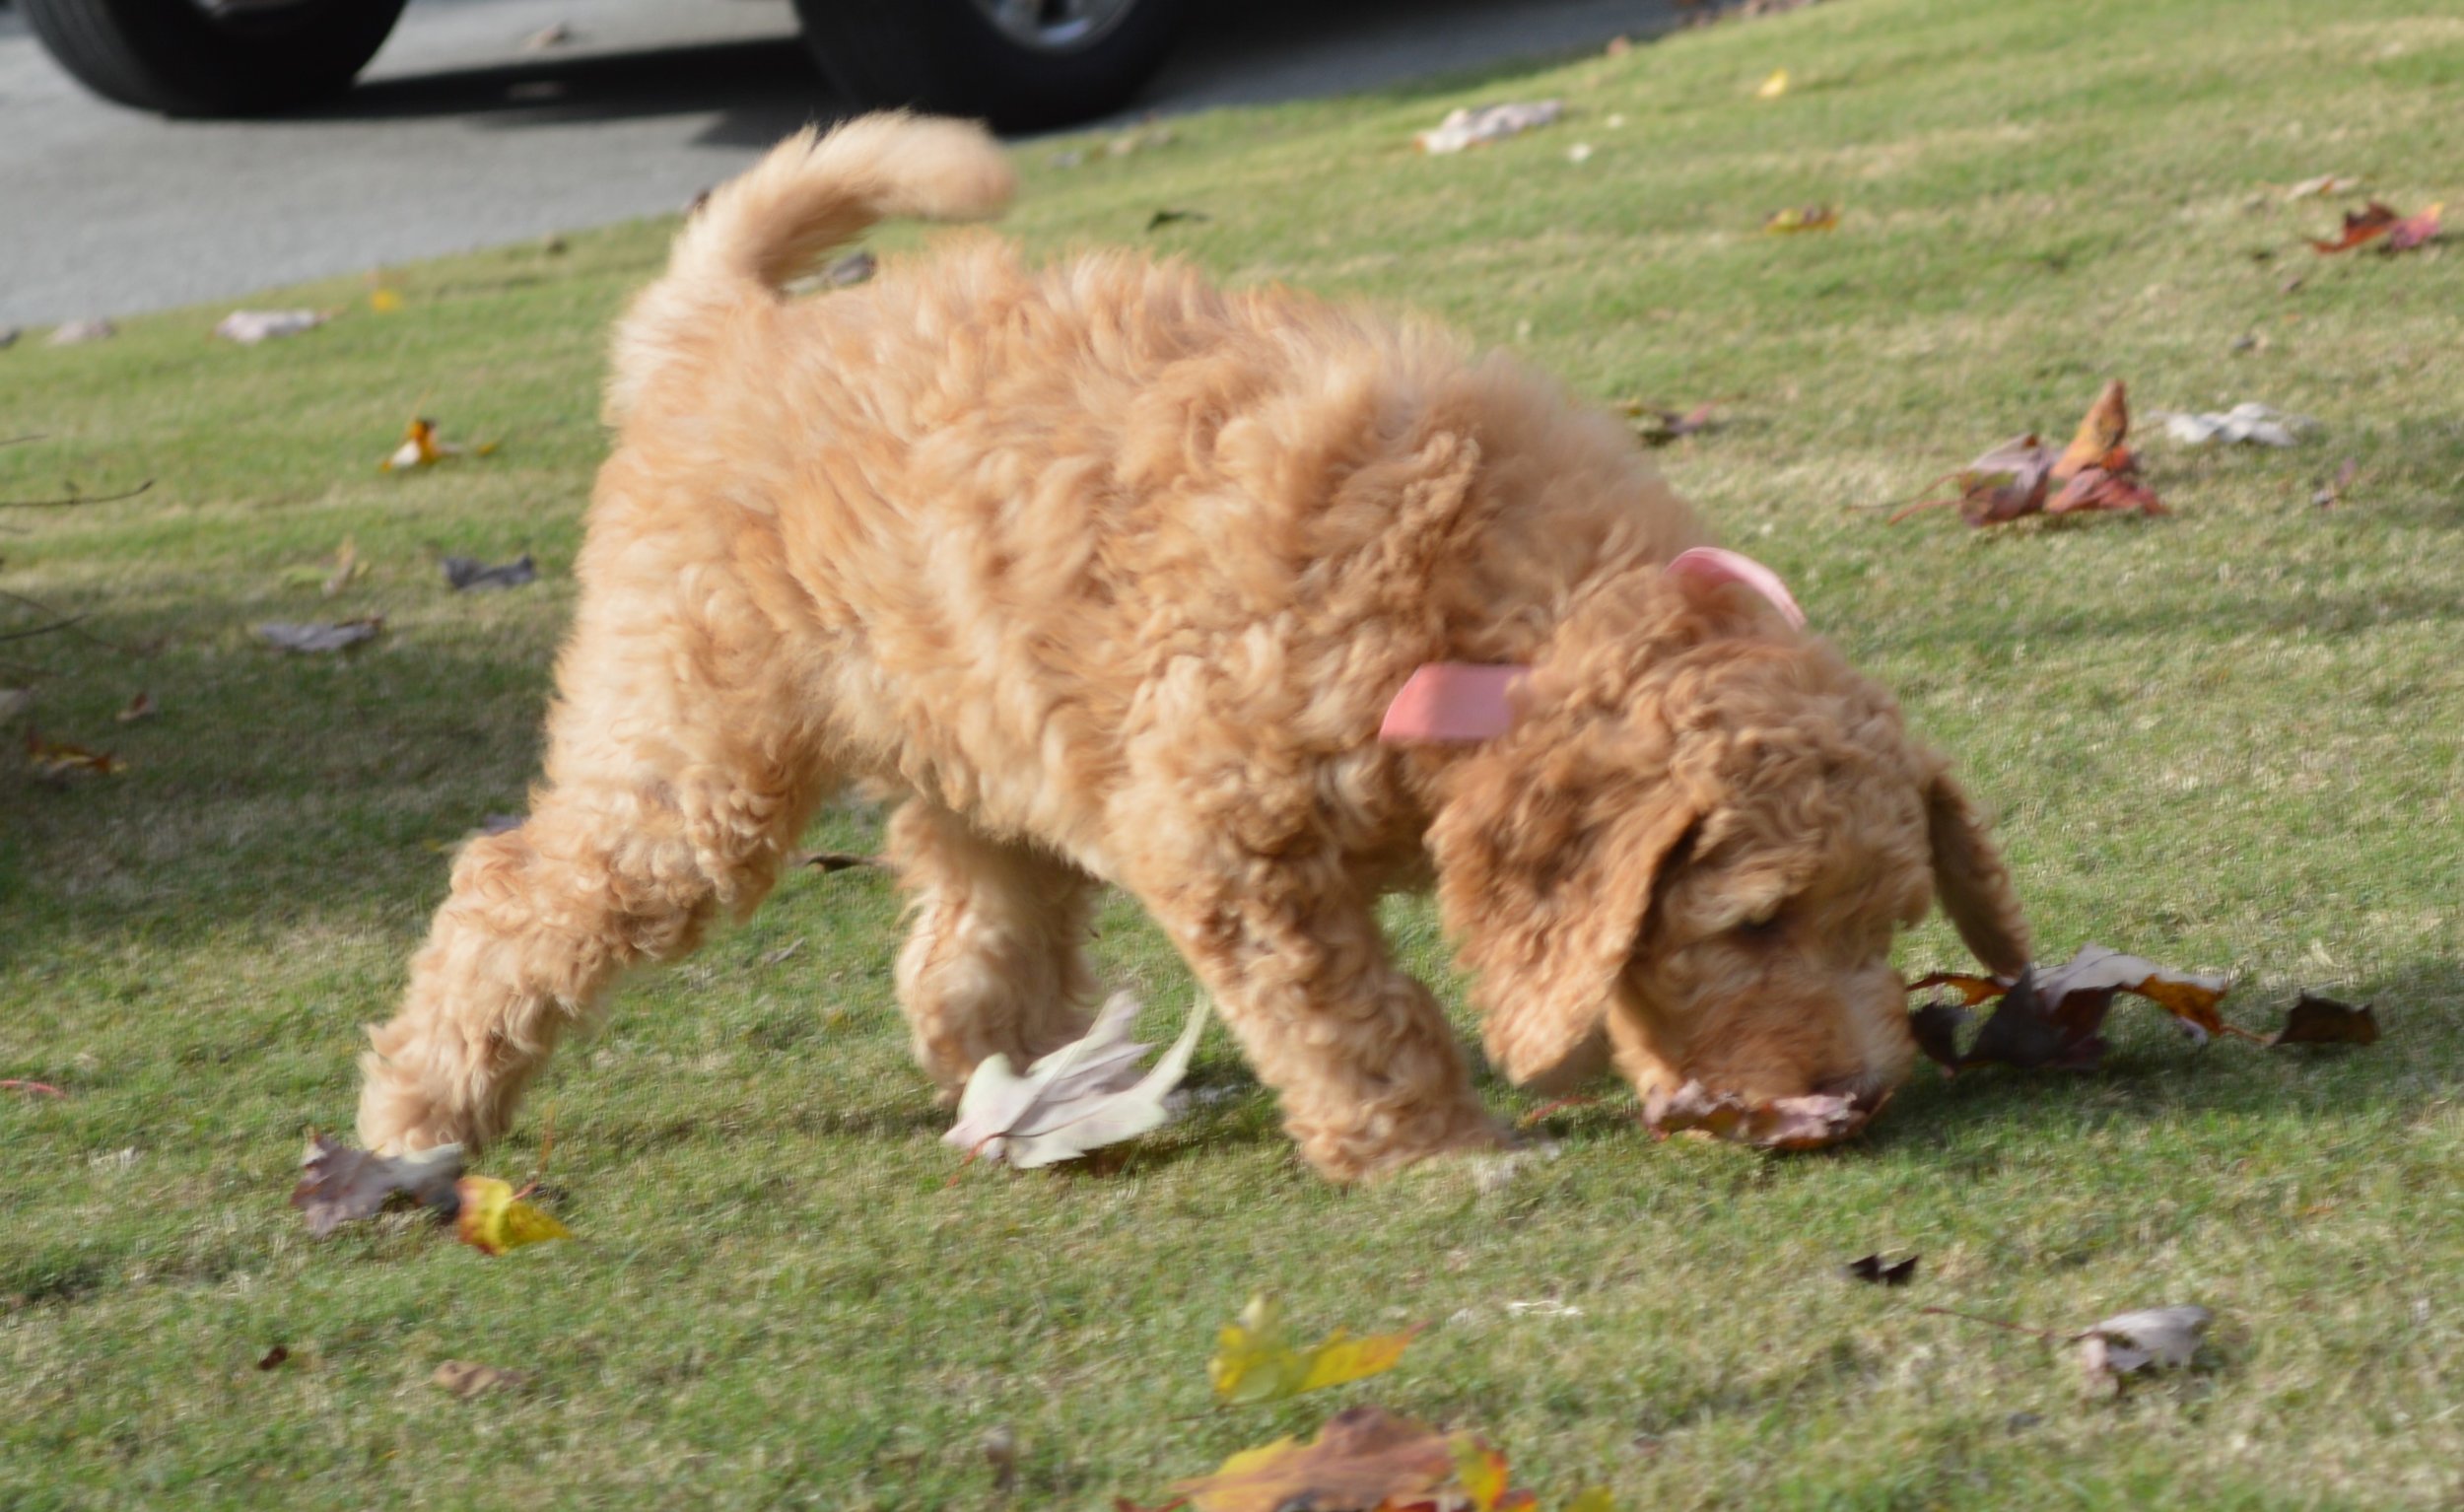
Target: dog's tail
x=811, y=193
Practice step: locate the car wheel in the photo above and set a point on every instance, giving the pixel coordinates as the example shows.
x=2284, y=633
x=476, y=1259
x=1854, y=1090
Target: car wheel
x=1021, y=64
x=213, y=57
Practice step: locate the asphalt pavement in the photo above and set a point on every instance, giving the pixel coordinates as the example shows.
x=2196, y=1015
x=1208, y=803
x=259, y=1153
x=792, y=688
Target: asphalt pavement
x=461, y=136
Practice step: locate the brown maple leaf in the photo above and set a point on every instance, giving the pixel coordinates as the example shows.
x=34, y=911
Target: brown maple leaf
x=1362, y=1457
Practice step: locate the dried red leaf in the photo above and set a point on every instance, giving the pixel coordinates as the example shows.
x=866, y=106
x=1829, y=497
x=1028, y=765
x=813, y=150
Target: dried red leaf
x=2362, y=226
x=2099, y=488
x=2319, y=1020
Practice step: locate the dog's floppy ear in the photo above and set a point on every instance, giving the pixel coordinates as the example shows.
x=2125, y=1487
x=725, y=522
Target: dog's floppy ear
x=1543, y=881
x=1970, y=880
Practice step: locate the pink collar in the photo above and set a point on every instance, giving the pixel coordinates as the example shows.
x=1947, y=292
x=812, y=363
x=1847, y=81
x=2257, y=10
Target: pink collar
x=1456, y=701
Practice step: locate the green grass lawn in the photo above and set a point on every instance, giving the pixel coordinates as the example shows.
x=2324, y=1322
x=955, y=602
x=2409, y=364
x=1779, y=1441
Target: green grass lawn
x=2232, y=737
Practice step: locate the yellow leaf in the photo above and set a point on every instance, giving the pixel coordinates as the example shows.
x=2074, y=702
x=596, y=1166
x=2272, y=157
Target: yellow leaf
x=1481, y=1470
x=495, y=1220
x=1799, y=218
x=1596, y=1499
x=1774, y=87
x=1344, y=1358
x=384, y=302
x=1255, y=1362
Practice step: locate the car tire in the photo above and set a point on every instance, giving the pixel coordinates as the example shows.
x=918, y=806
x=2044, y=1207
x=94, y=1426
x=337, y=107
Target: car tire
x=952, y=57
x=180, y=58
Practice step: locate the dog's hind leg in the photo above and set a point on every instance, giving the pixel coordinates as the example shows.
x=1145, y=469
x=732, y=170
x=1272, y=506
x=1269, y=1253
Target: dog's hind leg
x=679, y=773
x=996, y=957
x=1370, y=1074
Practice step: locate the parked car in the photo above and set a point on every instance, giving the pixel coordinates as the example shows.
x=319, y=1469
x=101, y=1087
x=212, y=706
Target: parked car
x=1021, y=64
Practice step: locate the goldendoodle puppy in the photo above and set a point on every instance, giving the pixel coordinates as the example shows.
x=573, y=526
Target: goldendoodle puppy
x=1113, y=576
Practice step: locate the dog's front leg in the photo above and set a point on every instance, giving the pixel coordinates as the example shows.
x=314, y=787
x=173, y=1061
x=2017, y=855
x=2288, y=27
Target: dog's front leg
x=1370, y=1076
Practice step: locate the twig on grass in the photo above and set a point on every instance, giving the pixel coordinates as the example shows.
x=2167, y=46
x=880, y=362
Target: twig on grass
x=64, y=622
x=2049, y=1335
x=74, y=500
x=30, y=1088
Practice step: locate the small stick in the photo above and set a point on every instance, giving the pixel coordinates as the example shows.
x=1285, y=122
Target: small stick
x=28, y=635
x=40, y=1089
x=2000, y=1323
x=73, y=499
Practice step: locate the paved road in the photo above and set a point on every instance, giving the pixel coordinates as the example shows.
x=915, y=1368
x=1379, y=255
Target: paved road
x=458, y=138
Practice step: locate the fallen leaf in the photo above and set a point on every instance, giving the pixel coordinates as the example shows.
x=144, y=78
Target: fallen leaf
x=2414, y=230
x=2100, y=432
x=422, y=447
x=2249, y=424
x=59, y=763
x=2316, y=1020
x=2333, y=491
x=1782, y=1123
x=494, y=1218
x=1801, y=218
x=319, y=636
x=1657, y=427
x=1001, y=1451
x=2029, y=1031
x=2005, y=483
x=30, y=1088
x=384, y=301
x=341, y=1182
x=1937, y=1027
x=2102, y=488
x=2324, y=183
x=467, y=1378
x=2097, y=471
x=273, y=1358
x=139, y=708
x=1773, y=86
x=75, y=333
x=250, y=327
x=466, y=575
x=2128, y=1343
x=1871, y=1267
x=2190, y=998
x=1468, y=127
x=1972, y=988
x=2053, y=1017
x=1163, y=218
x=1254, y=1359
x=1362, y=1457
x=1085, y=1095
